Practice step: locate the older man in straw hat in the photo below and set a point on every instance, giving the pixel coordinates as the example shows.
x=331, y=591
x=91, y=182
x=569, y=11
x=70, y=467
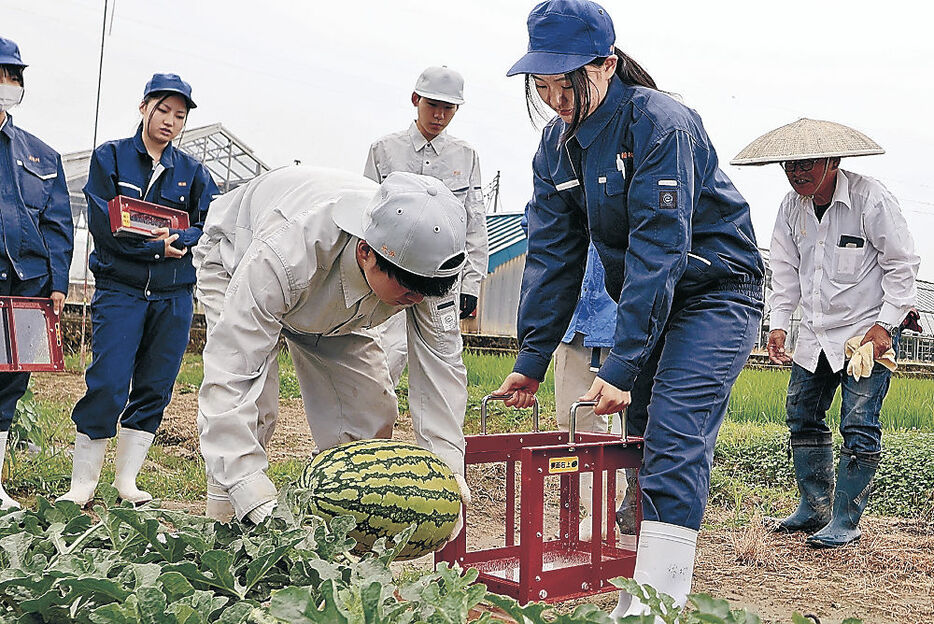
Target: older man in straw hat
x=842, y=251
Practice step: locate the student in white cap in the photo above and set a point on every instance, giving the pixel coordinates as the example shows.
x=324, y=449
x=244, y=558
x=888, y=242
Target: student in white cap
x=426, y=148
x=318, y=257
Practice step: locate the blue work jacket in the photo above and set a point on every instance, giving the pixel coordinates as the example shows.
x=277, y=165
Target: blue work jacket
x=641, y=181
x=139, y=267
x=595, y=315
x=35, y=213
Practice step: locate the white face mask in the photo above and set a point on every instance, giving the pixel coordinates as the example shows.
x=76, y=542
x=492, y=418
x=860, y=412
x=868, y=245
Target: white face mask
x=10, y=96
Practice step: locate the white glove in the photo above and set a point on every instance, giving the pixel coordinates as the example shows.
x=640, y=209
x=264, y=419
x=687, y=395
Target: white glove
x=466, y=498
x=861, y=362
x=258, y=514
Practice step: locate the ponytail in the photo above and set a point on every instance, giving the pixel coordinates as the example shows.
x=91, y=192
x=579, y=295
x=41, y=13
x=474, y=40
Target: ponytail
x=630, y=72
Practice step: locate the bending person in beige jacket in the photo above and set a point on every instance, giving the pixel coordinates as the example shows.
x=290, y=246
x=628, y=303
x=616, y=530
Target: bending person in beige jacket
x=319, y=257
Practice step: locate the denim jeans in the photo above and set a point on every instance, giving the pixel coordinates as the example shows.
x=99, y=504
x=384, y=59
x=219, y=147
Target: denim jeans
x=810, y=396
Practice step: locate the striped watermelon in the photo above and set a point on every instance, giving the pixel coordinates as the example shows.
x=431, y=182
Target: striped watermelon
x=386, y=486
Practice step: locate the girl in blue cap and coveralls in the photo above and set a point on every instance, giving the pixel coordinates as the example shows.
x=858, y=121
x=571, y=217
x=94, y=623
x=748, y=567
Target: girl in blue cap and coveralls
x=142, y=306
x=35, y=225
x=633, y=170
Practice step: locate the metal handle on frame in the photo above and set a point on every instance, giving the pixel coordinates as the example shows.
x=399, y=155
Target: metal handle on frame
x=503, y=397
x=572, y=421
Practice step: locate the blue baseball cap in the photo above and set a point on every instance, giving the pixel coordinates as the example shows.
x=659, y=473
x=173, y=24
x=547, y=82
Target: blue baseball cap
x=171, y=83
x=9, y=53
x=565, y=35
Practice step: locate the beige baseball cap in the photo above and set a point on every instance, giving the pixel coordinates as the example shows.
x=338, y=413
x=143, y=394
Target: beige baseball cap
x=441, y=83
x=414, y=222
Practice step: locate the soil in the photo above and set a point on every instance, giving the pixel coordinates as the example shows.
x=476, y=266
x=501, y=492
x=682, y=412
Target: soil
x=885, y=578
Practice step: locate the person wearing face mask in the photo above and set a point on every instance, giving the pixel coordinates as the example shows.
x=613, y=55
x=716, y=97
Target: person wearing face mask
x=631, y=169
x=841, y=252
x=142, y=306
x=36, y=227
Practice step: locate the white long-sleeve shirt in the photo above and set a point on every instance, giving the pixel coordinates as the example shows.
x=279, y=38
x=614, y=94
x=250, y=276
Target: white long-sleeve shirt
x=854, y=267
x=454, y=162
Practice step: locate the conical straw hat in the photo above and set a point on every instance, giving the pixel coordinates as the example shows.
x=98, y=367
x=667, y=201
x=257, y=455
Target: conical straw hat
x=807, y=138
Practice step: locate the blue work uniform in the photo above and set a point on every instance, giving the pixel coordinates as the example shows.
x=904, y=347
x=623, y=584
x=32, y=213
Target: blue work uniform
x=640, y=179
x=142, y=305
x=37, y=233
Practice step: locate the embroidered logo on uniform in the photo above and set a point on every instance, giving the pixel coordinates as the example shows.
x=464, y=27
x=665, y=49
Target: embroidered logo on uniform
x=455, y=172
x=388, y=252
x=33, y=159
x=183, y=184
x=667, y=200
x=448, y=321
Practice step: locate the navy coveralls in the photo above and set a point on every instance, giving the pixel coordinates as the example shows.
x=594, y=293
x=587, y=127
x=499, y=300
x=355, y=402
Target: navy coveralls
x=142, y=305
x=641, y=180
x=37, y=231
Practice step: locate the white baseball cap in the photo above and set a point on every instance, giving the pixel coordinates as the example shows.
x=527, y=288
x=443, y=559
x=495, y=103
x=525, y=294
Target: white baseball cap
x=414, y=222
x=441, y=83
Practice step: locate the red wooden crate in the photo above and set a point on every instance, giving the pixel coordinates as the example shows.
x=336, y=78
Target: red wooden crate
x=539, y=568
x=30, y=335
x=135, y=217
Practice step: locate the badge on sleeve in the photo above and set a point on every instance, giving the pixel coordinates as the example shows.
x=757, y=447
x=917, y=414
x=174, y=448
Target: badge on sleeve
x=667, y=200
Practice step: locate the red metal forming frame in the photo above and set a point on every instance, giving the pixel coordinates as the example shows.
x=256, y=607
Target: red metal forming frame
x=121, y=209
x=53, y=329
x=593, y=563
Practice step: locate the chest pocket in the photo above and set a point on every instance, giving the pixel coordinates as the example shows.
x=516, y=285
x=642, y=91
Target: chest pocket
x=457, y=183
x=848, y=261
x=610, y=203
x=174, y=196
x=35, y=183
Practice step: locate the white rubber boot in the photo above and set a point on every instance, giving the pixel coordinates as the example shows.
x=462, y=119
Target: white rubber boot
x=132, y=446
x=85, y=469
x=218, y=505
x=5, y=501
x=665, y=561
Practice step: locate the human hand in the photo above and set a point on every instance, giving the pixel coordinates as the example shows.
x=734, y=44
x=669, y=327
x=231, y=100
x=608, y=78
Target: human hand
x=164, y=235
x=521, y=390
x=880, y=338
x=776, y=347
x=58, y=302
x=609, y=398
x=468, y=305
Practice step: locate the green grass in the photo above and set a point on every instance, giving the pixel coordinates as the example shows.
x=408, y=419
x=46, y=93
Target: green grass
x=759, y=397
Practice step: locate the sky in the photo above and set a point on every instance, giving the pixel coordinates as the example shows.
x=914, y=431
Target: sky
x=318, y=81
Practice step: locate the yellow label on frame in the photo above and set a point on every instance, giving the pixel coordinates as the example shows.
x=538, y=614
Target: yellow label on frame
x=563, y=464
x=125, y=218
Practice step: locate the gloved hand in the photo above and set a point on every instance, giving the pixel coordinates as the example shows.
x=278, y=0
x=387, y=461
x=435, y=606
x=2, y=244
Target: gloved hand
x=466, y=499
x=468, y=305
x=258, y=514
x=861, y=358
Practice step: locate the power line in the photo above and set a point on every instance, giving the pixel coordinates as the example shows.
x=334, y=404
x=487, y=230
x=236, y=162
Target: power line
x=87, y=243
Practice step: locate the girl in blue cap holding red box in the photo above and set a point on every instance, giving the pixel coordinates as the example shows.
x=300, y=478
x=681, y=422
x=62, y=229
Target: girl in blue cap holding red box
x=142, y=306
x=628, y=167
